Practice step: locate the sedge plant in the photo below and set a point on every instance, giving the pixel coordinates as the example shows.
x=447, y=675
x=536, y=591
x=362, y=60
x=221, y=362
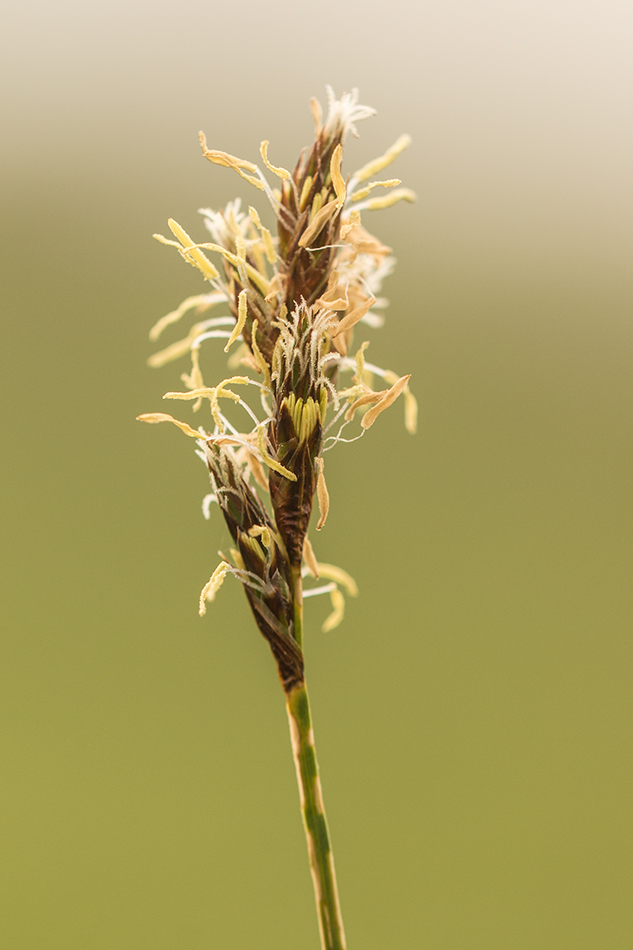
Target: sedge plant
x=292, y=305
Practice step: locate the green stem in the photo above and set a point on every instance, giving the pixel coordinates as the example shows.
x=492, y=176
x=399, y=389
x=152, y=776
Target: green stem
x=314, y=820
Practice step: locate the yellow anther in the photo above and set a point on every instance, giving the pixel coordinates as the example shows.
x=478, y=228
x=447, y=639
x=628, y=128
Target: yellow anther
x=253, y=546
x=323, y=497
x=323, y=403
x=352, y=318
x=317, y=204
x=352, y=392
x=360, y=363
x=410, y=403
x=308, y=419
x=163, y=240
x=318, y=222
x=269, y=460
x=183, y=252
x=337, y=179
x=213, y=394
x=261, y=531
x=391, y=183
x=254, y=216
x=230, y=257
x=224, y=440
x=260, y=280
x=191, y=252
x=210, y=589
x=223, y=158
x=291, y=401
x=195, y=379
x=220, y=392
x=400, y=194
x=230, y=161
x=305, y=191
x=252, y=180
x=364, y=399
x=333, y=573
x=154, y=417
x=240, y=246
x=387, y=399
x=410, y=412
x=282, y=173
x=208, y=391
x=242, y=313
x=297, y=412
x=377, y=165
x=334, y=619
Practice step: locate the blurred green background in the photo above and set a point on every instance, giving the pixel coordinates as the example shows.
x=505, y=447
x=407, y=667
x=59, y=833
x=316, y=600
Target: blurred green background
x=473, y=713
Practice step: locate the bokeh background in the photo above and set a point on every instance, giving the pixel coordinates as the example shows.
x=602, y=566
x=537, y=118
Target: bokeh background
x=473, y=713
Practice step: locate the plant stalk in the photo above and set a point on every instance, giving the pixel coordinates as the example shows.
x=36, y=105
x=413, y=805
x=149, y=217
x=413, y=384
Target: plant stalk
x=313, y=811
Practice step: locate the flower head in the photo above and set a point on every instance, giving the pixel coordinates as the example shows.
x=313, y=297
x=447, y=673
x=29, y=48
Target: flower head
x=293, y=302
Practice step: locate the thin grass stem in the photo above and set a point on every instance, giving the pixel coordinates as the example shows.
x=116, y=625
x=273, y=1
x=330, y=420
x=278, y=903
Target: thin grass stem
x=312, y=808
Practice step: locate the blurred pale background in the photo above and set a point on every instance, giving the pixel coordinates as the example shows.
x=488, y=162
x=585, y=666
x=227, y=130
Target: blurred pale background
x=473, y=714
